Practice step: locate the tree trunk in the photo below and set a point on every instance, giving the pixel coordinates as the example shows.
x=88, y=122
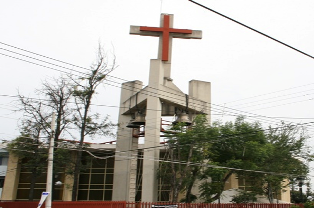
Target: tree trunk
x=270, y=194
x=175, y=194
x=32, y=185
x=77, y=169
x=58, y=124
x=190, y=186
x=79, y=154
x=76, y=174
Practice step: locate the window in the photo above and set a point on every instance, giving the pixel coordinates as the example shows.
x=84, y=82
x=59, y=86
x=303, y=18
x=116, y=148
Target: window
x=4, y=160
x=40, y=185
x=245, y=183
x=1, y=181
x=96, y=183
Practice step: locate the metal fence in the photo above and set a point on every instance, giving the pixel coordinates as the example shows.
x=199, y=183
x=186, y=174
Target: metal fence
x=123, y=204
x=208, y=205
x=66, y=204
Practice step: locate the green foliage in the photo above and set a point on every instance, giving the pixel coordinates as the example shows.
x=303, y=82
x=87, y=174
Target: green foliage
x=31, y=154
x=212, y=189
x=187, y=146
x=238, y=147
x=295, y=206
x=63, y=158
x=309, y=204
x=27, y=147
x=246, y=146
x=298, y=198
x=244, y=197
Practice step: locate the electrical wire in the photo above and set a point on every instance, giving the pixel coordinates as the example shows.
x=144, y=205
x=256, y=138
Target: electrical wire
x=269, y=93
x=212, y=109
x=56, y=60
x=194, y=164
x=191, y=164
x=213, y=139
x=248, y=27
x=111, y=85
x=146, y=127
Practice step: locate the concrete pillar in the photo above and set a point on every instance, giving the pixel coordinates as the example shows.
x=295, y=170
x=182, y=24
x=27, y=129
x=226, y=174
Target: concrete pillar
x=124, y=148
x=68, y=182
x=201, y=90
x=133, y=168
x=152, y=133
x=12, y=178
x=67, y=188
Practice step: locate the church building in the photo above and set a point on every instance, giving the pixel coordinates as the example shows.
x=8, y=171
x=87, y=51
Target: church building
x=126, y=170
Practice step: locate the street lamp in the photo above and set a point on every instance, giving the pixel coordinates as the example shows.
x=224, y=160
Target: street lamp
x=301, y=183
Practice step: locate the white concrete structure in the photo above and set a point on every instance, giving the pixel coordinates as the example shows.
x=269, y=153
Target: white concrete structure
x=160, y=98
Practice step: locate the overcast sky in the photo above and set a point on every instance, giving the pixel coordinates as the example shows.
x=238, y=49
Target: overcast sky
x=250, y=74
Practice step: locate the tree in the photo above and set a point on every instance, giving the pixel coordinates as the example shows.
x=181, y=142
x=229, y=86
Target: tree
x=88, y=124
x=289, y=155
x=298, y=198
x=58, y=97
x=270, y=156
x=237, y=145
x=32, y=153
x=35, y=127
x=185, y=149
x=51, y=98
x=264, y=159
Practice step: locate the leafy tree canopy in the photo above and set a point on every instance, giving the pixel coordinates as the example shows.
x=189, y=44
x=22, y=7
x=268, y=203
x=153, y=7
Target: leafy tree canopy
x=265, y=159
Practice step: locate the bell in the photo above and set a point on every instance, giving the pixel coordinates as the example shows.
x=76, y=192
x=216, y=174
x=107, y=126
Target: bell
x=182, y=118
x=139, y=119
x=132, y=125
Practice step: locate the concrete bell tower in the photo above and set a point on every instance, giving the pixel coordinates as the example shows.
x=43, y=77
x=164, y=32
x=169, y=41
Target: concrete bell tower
x=160, y=98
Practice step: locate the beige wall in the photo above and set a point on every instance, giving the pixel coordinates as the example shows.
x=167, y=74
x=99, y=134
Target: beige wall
x=11, y=179
x=232, y=183
x=285, y=193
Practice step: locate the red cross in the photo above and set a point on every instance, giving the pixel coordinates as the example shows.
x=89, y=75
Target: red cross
x=166, y=30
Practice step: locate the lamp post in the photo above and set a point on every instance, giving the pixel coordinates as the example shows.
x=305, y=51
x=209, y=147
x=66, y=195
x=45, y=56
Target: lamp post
x=301, y=183
x=50, y=163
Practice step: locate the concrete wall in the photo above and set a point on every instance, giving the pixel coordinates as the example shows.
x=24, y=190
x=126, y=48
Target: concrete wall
x=11, y=179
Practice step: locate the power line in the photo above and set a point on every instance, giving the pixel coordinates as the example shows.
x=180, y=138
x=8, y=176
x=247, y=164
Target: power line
x=142, y=157
x=212, y=139
x=275, y=99
x=107, y=75
x=36, y=64
x=41, y=55
x=212, y=109
x=146, y=109
x=56, y=60
x=184, y=162
x=255, y=115
x=40, y=60
x=108, y=80
x=269, y=93
x=246, y=26
x=115, y=106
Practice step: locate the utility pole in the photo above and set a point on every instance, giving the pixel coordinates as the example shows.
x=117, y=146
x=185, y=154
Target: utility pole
x=50, y=163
